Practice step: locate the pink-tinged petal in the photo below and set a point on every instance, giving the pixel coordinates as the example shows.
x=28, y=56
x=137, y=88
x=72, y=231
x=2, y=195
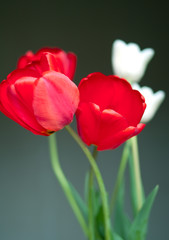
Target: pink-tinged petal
x=114, y=141
x=111, y=92
x=88, y=122
x=13, y=108
x=21, y=105
x=5, y=105
x=56, y=99
x=24, y=88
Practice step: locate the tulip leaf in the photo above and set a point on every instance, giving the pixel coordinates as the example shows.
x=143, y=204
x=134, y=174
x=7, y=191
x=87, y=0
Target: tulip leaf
x=96, y=198
x=115, y=236
x=98, y=214
x=97, y=208
x=121, y=220
x=100, y=222
x=79, y=201
x=138, y=227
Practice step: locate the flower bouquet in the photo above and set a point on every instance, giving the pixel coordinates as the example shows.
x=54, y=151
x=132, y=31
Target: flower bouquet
x=110, y=110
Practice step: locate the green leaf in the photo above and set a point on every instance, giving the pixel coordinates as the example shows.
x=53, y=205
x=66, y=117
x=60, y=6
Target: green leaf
x=79, y=201
x=138, y=228
x=97, y=208
x=100, y=222
x=115, y=236
x=97, y=201
x=121, y=220
x=96, y=197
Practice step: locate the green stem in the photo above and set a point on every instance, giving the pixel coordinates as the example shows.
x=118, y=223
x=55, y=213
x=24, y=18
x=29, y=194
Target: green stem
x=64, y=183
x=120, y=176
x=137, y=174
x=90, y=199
x=95, y=152
x=99, y=180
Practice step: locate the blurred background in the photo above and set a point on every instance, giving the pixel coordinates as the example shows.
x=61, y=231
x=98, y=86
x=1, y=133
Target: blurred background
x=32, y=204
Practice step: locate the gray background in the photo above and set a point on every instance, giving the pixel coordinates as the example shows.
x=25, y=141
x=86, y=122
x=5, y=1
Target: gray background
x=32, y=204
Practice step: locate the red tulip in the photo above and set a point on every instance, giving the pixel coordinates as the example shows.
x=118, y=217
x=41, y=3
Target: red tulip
x=109, y=111
x=40, y=102
x=58, y=60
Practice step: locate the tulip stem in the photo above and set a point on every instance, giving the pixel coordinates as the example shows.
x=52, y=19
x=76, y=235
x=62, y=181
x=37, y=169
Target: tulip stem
x=90, y=199
x=135, y=168
x=99, y=180
x=64, y=183
x=120, y=175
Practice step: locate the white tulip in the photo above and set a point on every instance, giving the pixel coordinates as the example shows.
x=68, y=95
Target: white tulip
x=153, y=101
x=129, y=61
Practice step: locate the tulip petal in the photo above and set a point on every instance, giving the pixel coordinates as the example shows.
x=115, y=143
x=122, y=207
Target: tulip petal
x=19, y=73
x=106, y=129
x=115, y=140
x=111, y=124
x=23, y=104
x=64, y=62
x=153, y=101
x=25, y=60
x=111, y=92
x=88, y=122
x=43, y=50
x=147, y=55
x=46, y=63
x=56, y=59
x=128, y=61
x=72, y=65
x=56, y=99
x=13, y=107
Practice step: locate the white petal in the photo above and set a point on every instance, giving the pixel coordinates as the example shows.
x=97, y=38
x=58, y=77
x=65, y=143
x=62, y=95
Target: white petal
x=128, y=61
x=153, y=101
x=133, y=48
x=147, y=55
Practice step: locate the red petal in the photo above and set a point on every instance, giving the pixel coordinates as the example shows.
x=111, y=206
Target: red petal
x=64, y=62
x=111, y=92
x=20, y=73
x=25, y=60
x=96, y=127
x=55, y=100
x=88, y=122
x=72, y=65
x=61, y=61
x=48, y=62
x=40, y=52
x=120, y=137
